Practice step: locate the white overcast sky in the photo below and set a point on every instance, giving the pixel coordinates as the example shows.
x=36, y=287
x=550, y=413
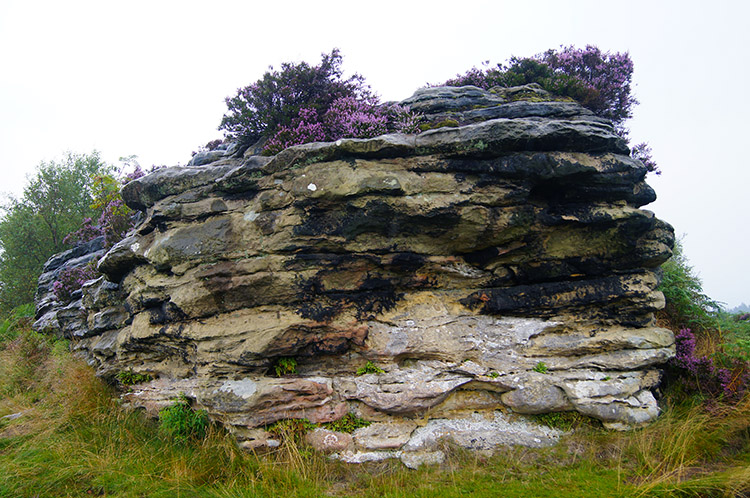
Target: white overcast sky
x=149, y=78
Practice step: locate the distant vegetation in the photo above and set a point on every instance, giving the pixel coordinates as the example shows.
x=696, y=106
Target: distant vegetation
x=65, y=203
x=742, y=308
x=55, y=202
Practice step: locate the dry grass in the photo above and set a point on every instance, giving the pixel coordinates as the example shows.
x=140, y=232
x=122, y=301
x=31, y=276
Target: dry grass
x=73, y=439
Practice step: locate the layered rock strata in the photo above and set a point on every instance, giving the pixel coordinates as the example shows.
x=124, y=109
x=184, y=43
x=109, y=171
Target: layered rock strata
x=473, y=274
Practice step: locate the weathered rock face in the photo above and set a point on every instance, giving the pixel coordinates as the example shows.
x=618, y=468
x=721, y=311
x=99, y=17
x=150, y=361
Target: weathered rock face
x=492, y=269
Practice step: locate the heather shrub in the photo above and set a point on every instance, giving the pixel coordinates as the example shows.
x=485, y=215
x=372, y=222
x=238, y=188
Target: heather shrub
x=349, y=117
x=712, y=347
x=600, y=81
x=305, y=128
x=115, y=217
x=71, y=280
x=642, y=152
x=262, y=108
x=608, y=75
x=303, y=103
x=401, y=119
x=705, y=374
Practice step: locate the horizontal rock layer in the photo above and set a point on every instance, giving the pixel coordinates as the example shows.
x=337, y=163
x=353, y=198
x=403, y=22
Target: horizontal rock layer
x=490, y=270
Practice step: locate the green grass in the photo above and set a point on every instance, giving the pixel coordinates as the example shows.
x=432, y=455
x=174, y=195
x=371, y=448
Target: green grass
x=73, y=439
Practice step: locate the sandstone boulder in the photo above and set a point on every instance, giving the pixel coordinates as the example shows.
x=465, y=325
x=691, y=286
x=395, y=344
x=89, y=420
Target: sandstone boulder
x=441, y=285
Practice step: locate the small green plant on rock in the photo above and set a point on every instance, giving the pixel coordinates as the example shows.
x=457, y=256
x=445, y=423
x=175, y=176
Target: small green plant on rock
x=348, y=423
x=181, y=422
x=129, y=378
x=494, y=375
x=541, y=367
x=285, y=366
x=370, y=368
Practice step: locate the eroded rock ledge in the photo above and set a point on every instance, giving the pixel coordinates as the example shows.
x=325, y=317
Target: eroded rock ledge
x=494, y=269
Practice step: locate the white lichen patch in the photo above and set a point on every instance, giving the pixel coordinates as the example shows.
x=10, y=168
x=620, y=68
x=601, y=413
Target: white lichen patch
x=243, y=388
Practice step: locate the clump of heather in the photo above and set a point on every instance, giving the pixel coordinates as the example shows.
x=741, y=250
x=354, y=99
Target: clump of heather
x=276, y=100
x=347, y=117
x=642, y=152
x=609, y=74
x=72, y=279
x=305, y=128
x=88, y=231
x=600, y=81
x=702, y=374
x=301, y=103
x=115, y=219
x=350, y=117
x=402, y=120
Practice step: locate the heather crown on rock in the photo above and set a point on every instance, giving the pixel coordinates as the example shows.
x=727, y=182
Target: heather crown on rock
x=455, y=262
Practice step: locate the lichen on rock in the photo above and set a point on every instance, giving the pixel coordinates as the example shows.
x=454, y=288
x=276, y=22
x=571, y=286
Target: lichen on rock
x=456, y=260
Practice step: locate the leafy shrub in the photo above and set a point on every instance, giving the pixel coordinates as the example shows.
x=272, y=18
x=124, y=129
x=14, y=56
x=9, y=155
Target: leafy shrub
x=687, y=306
x=370, y=368
x=129, y=378
x=55, y=201
x=285, y=366
x=348, y=423
x=180, y=422
x=71, y=280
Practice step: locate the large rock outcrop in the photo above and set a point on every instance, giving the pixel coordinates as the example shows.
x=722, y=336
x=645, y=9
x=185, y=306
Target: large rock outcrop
x=473, y=274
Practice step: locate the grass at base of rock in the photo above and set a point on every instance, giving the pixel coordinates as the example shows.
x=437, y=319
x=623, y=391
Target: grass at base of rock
x=73, y=439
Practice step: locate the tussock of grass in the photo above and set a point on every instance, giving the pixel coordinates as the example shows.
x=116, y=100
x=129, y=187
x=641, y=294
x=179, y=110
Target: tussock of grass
x=73, y=439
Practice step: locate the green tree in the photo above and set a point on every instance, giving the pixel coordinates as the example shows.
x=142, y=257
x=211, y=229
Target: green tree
x=55, y=202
